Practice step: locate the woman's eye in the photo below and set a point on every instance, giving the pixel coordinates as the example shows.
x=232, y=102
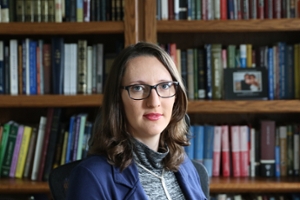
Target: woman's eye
x=165, y=86
x=137, y=88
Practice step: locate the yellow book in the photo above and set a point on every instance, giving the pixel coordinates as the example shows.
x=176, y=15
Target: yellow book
x=23, y=151
x=64, y=149
x=249, y=55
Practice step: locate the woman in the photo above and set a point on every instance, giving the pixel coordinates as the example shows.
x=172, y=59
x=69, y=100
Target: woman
x=136, y=151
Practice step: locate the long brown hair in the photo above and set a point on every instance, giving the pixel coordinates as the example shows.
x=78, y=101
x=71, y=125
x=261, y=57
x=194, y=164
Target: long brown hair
x=110, y=137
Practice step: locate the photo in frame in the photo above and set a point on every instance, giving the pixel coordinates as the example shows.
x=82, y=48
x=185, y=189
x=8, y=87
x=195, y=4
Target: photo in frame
x=246, y=83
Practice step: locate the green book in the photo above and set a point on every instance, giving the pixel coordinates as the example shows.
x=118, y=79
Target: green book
x=10, y=146
x=3, y=144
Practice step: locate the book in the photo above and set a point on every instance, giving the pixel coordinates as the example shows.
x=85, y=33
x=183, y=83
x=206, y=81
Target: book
x=5, y=135
x=209, y=83
x=296, y=158
x=44, y=11
x=53, y=135
x=82, y=67
x=70, y=143
x=2, y=71
x=235, y=150
x=37, y=13
x=47, y=77
x=217, y=71
x=190, y=149
x=267, y=153
x=59, y=146
x=14, y=161
x=277, y=153
x=9, y=150
x=64, y=148
x=57, y=56
x=217, y=151
x=38, y=148
x=208, y=148
x=99, y=61
x=283, y=150
x=20, y=11
x=198, y=143
x=190, y=74
x=29, y=11
x=225, y=149
x=13, y=69
x=244, y=151
x=30, y=153
x=23, y=151
x=83, y=118
x=290, y=150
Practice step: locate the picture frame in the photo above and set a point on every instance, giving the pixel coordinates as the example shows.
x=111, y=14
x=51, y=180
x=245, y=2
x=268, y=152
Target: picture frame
x=246, y=83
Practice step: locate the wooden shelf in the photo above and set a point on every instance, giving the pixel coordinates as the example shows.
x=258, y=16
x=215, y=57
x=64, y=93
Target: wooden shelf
x=275, y=106
x=217, y=185
x=95, y=100
x=16, y=186
x=254, y=185
x=50, y=100
x=64, y=28
x=184, y=26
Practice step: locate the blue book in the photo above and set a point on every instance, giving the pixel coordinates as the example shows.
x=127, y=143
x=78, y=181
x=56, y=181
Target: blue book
x=271, y=73
x=208, y=148
x=243, y=55
x=282, y=71
x=208, y=72
x=32, y=67
x=198, y=143
x=230, y=9
x=190, y=149
x=70, y=139
x=57, y=56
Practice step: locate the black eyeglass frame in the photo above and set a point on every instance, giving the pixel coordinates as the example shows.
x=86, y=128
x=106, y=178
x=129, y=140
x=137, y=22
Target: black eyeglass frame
x=176, y=83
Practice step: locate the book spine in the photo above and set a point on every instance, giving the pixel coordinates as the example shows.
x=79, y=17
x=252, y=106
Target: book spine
x=267, y=159
x=13, y=62
x=58, y=11
x=225, y=149
x=20, y=69
x=54, y=131
x=11, y=142
x=208, y=72
x=4, y=141
x=277, y=153
x=190, y=149
x=47, y=67
x=296, y=158
x=5, y=11
x=40, y=67
x=20, y=10
x=208, y=148
x=69, y=156
x=73, y=65
x=217, y=151
x=23, y=151
x=217, y=71
x=32, y=67
x=290, y=150
x=201, y=74
x=252, y=152
x=29, y=11
x=244, y=151
x=271, y=73
x=44, y=11
x=14, y=161
x=195, y=73
x=37, y=15
x=198, y=143
x=30, y=154
x=57, y=54
x=82, y=67
x=51, y=10
x=235, y=151
x=2, y=81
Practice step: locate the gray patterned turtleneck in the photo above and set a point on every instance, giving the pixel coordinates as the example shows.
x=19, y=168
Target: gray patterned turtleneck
x=149, y=162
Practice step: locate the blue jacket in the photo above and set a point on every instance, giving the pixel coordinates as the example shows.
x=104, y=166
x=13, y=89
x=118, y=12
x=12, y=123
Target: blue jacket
x=94, y=178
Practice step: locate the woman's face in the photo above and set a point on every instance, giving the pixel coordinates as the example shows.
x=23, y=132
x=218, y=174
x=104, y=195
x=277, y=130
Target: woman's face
x=147, y=118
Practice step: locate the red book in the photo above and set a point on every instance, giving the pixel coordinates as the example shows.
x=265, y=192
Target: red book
x=260, y=9
x=45, y=144
x=217, y=151
x=225, y=146
x=235, y=150
x=267, y=153
x=223, y=9
x=277, y=9
x=244, y=151
x=171, y=9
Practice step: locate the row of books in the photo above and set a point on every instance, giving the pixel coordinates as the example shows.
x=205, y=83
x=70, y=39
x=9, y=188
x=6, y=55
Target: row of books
x=255, y=196
x=243, y=151
x=61, y=10
x=32, y=151
x=226, y=9
x=35, y=67
x=202, y=68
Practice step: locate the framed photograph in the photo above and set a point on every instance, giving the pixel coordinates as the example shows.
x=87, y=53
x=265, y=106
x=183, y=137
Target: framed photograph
x=246, y=83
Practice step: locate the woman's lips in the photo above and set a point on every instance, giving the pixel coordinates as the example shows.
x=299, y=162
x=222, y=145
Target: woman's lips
x=153, y=116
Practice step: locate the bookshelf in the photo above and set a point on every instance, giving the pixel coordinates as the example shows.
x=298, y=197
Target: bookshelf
x=27, y=109
x=196, y=33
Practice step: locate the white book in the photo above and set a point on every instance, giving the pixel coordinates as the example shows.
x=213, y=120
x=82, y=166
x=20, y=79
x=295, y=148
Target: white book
x=243, y=55
x=217, y=150
x=89, y=70
x=27, y=65
x=244, y=152
x=164, y=10
x=38, y=148
x=99, y=68
x=176, y=9
x=252, y=152
x=13, y=68
x=5, y=11
x=217, y=8
x=58, y=11
x=67, y=62
x=73, y=69
x=83, y=118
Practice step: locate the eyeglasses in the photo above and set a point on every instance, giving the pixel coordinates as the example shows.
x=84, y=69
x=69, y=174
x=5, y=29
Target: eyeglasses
x=142, y=91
